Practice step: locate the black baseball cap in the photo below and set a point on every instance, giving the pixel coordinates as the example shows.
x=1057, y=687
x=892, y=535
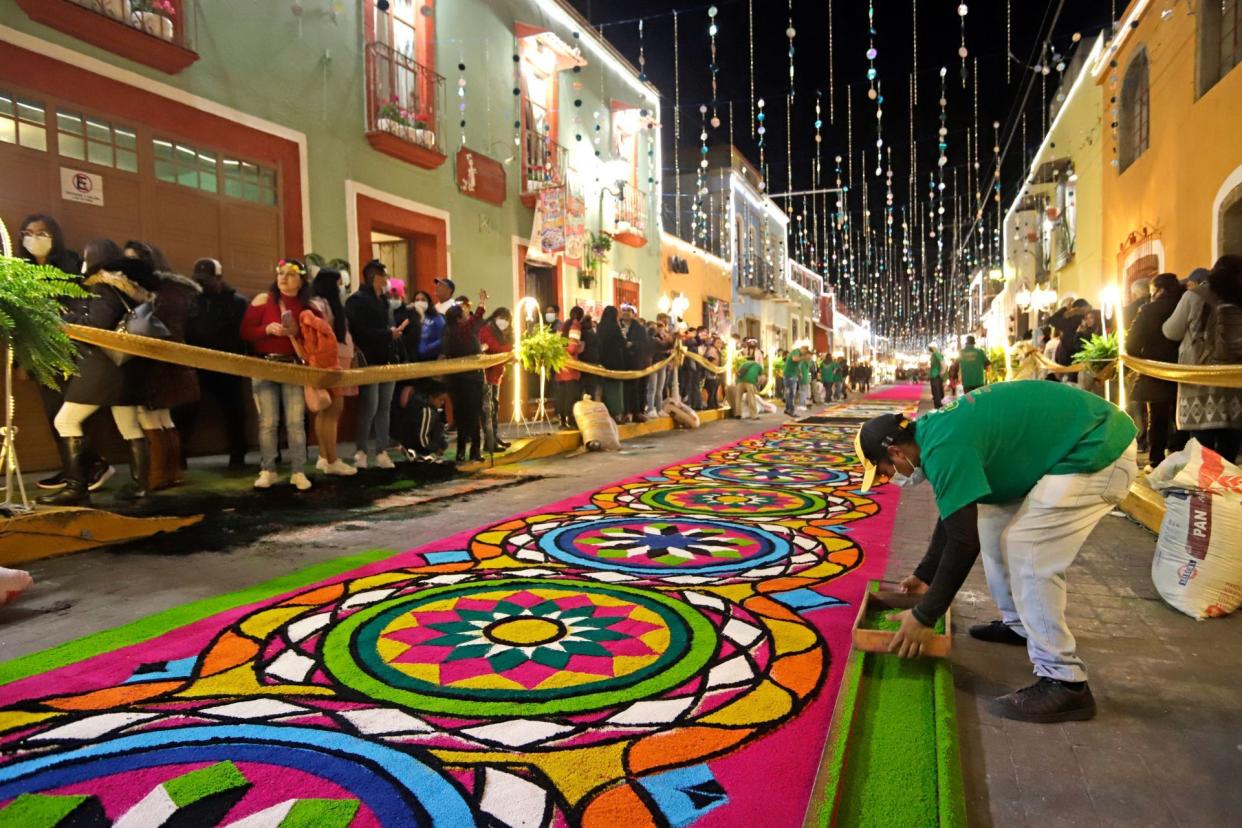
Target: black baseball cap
x=374, y=266
x=872, y=442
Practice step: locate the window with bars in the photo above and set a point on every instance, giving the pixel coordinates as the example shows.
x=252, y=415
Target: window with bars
x=177, y=163
x=1230, y=35
x=1219, y=39
x=86, y=138
x=1134, y=122
x=23, y=122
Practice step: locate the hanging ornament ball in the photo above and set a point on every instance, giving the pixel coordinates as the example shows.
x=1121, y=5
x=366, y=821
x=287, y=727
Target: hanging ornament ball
x=462, y=106
x=702, y=109
x=297, y=9
x=761, y=117
x=426, y=10
x=872, y=54
x=642, y=76
x=1045, y=70
x=517, y=91
x=791, y=32
x=819, y=138
x=577, y=35
x=763, y=184
x=382, y=5
x=461, y=67
x=944, y=131
x=762, y=130
x=703, y=135
x=1077, y=37
x=642, y=113
x=761, y=104
x=711, y=30
x=944, y=102
x=578, y=102
x=517, y=125
x=577, y=70
x=962, y=10
x=943, y=71
x=962, y=52
x=879, y=142
x=871, y=93
x=703, y=163
x=996, y=125
x=715, y=122
x=516, y=58
x=942, y=161
x=461, y=82
x=463, y=123
x=838, y=159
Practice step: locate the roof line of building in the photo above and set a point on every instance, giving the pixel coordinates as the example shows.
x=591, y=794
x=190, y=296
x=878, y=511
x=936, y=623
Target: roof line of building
x=592, y=36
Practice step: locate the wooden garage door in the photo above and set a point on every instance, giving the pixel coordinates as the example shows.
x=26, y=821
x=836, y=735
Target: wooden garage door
x=218, y=206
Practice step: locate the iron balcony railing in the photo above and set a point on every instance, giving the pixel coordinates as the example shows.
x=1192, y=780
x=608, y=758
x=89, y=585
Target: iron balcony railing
x=404, y=98
x=543, y=159
x=168, y=20
x=630, y=212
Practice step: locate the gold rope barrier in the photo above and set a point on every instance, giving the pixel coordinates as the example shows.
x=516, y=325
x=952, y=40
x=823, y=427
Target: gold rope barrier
x=715, y=369
x=206, y=359
x=1221, y=376
x=608, y=373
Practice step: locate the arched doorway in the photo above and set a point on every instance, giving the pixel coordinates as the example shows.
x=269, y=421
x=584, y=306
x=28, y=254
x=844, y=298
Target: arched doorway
x=1229, y=223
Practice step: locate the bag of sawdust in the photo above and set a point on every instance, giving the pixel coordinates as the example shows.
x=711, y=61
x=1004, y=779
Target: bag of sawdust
x=596, y=425
x=767, y=406
x=682, y=414
x=1198, y=564
x=817, y=392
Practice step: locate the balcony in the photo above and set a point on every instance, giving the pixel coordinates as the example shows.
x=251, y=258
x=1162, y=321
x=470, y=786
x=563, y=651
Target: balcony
x=543, y=159
x=629, y=218
x=155, y=33
x=404, y=101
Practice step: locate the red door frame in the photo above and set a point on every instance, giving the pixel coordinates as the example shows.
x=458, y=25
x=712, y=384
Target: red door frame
x=521, y=283
x=428, y=236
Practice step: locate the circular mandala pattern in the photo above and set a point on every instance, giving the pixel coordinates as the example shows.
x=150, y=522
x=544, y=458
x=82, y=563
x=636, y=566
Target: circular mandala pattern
x=641, y=546
x=783, y=457
x=519, y=646
x=779, y=474
x=733, y=501
x=783, y=443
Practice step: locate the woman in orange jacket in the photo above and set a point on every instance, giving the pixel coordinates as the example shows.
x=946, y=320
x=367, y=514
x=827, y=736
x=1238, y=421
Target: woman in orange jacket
x=568, y=380
x=496, y=337
x=326, y=343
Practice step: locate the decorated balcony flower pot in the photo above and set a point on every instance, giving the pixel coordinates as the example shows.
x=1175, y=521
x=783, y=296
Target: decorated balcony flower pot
x=156, y=24
x=117, y=9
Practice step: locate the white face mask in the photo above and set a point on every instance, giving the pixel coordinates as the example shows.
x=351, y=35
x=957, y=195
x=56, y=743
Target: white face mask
x=84, y=267
x=394, y=303
x=908, y=481
x=421, y=306
x=549, y=317
x=502, y=324
x=38, y=246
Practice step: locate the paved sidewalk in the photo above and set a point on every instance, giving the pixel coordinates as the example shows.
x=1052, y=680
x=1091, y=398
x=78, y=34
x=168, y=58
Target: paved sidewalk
x=1166, y=746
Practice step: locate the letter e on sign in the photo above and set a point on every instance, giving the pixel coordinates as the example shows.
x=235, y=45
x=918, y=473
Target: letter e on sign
x=81, y=187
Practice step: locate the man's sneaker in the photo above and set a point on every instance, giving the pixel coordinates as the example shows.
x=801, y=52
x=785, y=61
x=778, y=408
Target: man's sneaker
x=98, y=476
x=360, y=460
x=300, y=481
x=383, y=461
x=1045, y=702
x=337, y=467
x=56, y=481
x=997, y=632
x=266, y=480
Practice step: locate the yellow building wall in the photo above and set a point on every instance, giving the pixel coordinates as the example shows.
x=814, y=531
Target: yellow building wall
x=708, y=277
x=1194, y=149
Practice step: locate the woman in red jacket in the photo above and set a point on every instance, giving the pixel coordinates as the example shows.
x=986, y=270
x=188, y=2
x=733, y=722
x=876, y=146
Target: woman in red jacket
x=270, y=326
x=496, y=337
x=568, y=380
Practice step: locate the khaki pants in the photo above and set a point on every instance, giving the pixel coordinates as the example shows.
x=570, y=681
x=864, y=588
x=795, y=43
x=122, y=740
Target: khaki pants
x=750, y=398
x=1028, y=545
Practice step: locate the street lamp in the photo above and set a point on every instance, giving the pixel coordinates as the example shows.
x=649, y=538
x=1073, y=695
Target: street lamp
x=532, y=314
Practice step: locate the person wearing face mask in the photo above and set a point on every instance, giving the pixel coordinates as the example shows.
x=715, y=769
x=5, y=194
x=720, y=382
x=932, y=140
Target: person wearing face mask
x=1022, y=472
x=445, y=288
x=552, y=317
x=376, y=336
x=496, y=337
x=43, y=243
x=430, y=327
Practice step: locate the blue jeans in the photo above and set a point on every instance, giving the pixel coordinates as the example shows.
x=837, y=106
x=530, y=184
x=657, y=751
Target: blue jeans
x=268, y=399
x=791, y=394
x=374, y=409
x=655, y=390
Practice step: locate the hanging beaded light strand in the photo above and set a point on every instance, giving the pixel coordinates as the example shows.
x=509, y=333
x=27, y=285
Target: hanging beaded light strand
x=677, y=125
x=791, y=33
x=962, y=51
x=699, y=225
x=873, y=92
x=750, y=36
x=832, y=72
x=714, y=67
x=642, y=53
x=914, y=72
x=1008, y=41
x=761, y=130
x=461, y=99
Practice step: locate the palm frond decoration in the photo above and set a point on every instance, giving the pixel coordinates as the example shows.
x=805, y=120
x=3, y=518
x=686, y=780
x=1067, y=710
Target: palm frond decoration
x=543, y=350
x=1098, y=349
x=30, y=321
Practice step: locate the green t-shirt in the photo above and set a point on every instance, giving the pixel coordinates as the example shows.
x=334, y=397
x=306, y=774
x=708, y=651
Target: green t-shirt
x=973, y=364
x=937, y=365
x=749, y=372
x=828, y=373
x=805, y=367
x=791, y=367
x=994, y=444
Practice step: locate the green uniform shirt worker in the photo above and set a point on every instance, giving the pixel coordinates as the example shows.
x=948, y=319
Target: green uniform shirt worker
x=973, y=365
x=748, y=376
x=792, y=374
x=1022, y=472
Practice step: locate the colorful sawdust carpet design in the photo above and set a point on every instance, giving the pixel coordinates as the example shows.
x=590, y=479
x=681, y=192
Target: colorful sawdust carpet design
x=662, y=651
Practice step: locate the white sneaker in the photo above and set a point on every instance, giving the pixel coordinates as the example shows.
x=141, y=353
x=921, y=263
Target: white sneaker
x=383, y=461
x=300, y=481
x=321, y=465
x=266, y=480
x=360, y=460
x=337, y=467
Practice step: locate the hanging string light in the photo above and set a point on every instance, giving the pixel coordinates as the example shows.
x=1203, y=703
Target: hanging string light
x=699, y=225
x=642, y=53
x=789, y=143
x=677, y=124
x=750, y=36
x=962, y=52
x=832, y=77
x=761, y=130
x=914, y=73
x=791, y=33
x=1008, y=41
x=712, y=30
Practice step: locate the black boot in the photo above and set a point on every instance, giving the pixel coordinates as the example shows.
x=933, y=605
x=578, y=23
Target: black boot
x=139, y=470
x=74, y=492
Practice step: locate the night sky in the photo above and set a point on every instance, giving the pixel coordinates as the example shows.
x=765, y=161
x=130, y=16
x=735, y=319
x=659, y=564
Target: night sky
x=907, y=298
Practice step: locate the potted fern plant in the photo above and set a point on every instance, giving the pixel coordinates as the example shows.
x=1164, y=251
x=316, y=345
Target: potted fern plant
x=32, y=336
x=541, y=352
